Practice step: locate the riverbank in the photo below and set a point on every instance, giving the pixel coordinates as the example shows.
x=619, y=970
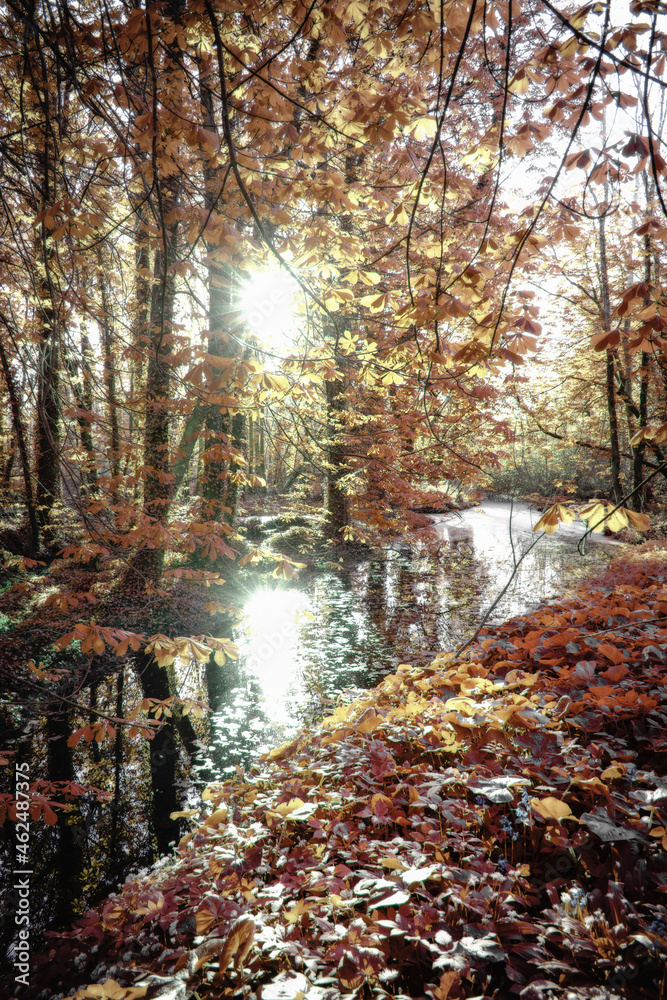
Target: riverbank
x=483, y=827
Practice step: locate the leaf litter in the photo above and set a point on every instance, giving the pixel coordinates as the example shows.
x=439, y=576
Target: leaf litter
x=488, y=826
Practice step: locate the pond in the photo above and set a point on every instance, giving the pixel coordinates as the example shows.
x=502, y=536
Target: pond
x=305, y=646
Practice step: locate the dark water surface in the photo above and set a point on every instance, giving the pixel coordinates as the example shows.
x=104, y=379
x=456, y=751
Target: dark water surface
x=305, y=646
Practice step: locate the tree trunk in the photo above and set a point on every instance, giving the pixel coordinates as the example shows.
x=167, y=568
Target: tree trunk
x=224, y=431
x=48, y=416
x=337, y=514
x=110, y=381
x=639, y=498
x=163, y=754
x=67, y=864
x=82, y=389
x=114, y=846
x=615, y=463
x=23, y=451
x=157, y=492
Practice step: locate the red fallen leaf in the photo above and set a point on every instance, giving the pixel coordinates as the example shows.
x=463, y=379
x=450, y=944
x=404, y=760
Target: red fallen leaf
x=616, y=673
x=611, y=652
x=381, y=804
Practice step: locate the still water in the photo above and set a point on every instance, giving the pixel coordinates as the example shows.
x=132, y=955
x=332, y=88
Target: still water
x=305, y=646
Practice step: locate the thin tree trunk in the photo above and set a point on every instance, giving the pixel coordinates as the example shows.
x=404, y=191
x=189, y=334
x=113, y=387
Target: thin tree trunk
x=94, y=746
x=23, y=451
x=48, y=418
x=337, y=514
x=639, y=449
x=615, y=464
x=82, y=388
x=157, y=492
x=67, y=864
x=163, y=755
x=110, y=381
x=224, y=433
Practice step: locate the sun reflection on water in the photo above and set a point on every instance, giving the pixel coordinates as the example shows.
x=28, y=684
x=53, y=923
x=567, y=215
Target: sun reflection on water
x=302, y=650
x=271, y=622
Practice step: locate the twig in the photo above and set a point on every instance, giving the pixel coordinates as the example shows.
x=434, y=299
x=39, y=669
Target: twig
x=517, y=563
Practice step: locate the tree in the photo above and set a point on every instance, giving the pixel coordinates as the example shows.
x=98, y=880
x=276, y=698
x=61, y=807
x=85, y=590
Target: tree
x=155, y=155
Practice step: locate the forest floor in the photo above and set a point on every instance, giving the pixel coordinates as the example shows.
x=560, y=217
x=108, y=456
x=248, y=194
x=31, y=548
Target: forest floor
x=489, y=826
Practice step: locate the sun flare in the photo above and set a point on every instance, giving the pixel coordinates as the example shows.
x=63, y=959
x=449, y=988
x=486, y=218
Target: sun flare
x=268, y=302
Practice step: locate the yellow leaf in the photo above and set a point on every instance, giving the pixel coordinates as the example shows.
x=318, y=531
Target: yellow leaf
x=551, y=808
x=217, y=817
x=392, y=378
x=291, y=916
x=519, y=83
x=611, y=772
x=238, y=943
x=398, y=216
x=553, y=517
x=465, y=705
x=281, y=751
x=275, y=382
x=595, y=513
x=369, y=724
x=617, y=520
x=285, y=808
x=424, y=128
x=204, y=919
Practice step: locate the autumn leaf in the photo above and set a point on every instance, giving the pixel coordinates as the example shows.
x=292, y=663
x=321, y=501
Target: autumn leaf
x=111, y=990
x=616, y=673
x=638, y=521
x=297, y=911
x=238, y=943
x=423, y=128
x=558, y=514
x=551, y=808
x=611, y=652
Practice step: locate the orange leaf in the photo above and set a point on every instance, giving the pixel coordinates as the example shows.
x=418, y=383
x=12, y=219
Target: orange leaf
x=638, y=521
x=616, y=673
x=611, y=652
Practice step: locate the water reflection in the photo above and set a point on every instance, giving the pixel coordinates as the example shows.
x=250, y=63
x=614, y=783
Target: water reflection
x=336, y=635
